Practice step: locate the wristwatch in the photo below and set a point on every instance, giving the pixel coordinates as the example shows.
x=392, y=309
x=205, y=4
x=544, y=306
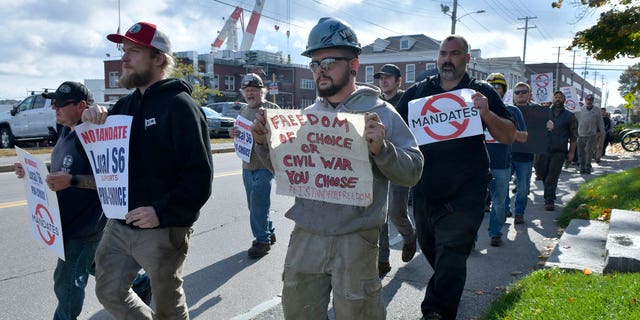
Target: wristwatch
x=74, y=180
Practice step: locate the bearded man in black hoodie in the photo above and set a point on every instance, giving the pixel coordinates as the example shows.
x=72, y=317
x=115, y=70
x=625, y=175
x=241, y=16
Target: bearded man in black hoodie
x=170, y=174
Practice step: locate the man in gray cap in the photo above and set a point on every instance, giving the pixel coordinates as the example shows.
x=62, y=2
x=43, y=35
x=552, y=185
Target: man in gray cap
x=255, y=175
x=389, y=80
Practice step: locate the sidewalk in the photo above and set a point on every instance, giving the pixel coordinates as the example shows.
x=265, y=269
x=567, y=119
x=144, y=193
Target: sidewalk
x=6, y=163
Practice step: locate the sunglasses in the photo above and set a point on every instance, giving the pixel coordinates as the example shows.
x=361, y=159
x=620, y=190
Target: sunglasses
x=326, y=64
x=521, y=92
x=64, y=104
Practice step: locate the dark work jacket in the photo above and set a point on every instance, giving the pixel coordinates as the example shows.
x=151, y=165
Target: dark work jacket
x=448, y=165
x=170, y=163
x=565, y=129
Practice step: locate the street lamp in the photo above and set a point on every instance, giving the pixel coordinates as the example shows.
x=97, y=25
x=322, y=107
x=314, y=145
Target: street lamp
x=454, y=12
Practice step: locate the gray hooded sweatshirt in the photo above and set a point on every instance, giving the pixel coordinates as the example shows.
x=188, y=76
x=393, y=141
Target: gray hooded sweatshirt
x=399, y=162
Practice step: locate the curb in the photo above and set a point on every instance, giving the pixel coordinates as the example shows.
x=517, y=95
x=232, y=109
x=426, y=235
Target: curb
x=10, y=168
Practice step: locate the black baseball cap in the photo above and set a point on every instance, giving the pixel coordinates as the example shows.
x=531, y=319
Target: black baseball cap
x=252, y=80
x=388, y=69
x=70, y=90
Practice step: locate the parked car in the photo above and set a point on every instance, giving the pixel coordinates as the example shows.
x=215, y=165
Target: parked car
x=227, y=109
x=30, y=120
x=218, y=124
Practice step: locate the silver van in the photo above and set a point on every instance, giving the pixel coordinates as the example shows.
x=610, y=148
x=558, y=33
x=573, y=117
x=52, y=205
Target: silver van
x=227, y=109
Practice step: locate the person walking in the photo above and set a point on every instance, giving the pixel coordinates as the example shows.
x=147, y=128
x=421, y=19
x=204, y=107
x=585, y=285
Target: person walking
x=389, y=80
x=521, y=162
x=449, y=199
x=332, y=248
x=500, y=165
x=170, y=175
x=562, y=129
x=80, y=212
x=256, y=177
x=590, y=125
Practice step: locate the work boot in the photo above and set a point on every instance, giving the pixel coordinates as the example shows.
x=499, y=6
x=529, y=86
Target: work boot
x=409, y=249
x=258, y=249
x=496, y=241
x=142, y=287
x=383, y=268
x=272, y=238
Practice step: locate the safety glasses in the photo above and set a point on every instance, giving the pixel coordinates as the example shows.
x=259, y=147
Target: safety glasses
x=326, y=64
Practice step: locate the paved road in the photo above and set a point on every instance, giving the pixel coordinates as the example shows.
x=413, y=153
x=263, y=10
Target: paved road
x=222, y=284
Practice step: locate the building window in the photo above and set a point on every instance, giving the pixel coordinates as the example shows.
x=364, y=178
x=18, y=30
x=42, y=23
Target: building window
x=404, y=44
x=114, y=79
x=368, y=74
x=229, y=83
x=215, y=84
x=410, y=73
x=430, y=66
x=307, y=84
x=305, y=103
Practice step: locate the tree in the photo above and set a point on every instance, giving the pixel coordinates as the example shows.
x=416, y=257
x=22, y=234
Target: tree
x=200, y=91
x=629, y=80
x=615, y=35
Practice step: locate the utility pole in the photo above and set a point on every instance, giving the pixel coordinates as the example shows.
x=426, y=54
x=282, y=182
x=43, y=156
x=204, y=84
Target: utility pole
x=573, y=66
x=526, y=29
x=558, y=70
x=454, y=16
x=584, y=76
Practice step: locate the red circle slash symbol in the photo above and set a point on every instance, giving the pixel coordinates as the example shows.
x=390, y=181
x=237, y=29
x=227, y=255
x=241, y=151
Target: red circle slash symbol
x=460, y=127
x=542, y=80
x=51, y=237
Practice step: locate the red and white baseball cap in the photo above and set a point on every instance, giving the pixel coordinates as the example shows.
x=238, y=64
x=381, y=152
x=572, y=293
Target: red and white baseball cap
x=144, y=34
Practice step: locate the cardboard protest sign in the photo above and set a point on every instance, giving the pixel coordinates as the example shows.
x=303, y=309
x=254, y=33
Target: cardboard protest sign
x=44, y=212
x=542, y=87
x=445, y=116
x=535, y=117
x=243, y=142
x=107, y=146
x=320, y=156
x=572, y=101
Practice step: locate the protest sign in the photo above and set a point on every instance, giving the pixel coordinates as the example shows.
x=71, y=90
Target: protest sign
x=572, y=101
x=107, y=146
x=535, y=117
x=320, y=156
x=243, y=141
x=445, y=116
x=44, y=213
x=542, y=87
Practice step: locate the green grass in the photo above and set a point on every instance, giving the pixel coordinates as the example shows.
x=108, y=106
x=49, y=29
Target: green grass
x=596, y=198
x=560, y=294
x=556, y=294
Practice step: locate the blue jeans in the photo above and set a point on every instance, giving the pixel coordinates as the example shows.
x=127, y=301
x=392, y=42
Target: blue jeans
x=523, y=183
x=499, y=189
x=257, y=185
x=70, y=277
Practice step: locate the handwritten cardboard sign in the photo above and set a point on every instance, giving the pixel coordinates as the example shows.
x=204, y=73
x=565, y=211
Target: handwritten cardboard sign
x=44, y=212
x=320, y=155
x=107, y=146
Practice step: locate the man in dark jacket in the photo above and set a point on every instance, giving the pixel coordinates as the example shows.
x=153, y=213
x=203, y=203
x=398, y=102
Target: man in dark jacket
x=170, y=174
x=449, y=199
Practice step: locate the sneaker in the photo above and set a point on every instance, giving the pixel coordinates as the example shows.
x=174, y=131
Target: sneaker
x=549, y=206
x=142, y=287
x=519, y=219
x=496, y=241
x=383, y=268
x=409, y=249
x=258, y=249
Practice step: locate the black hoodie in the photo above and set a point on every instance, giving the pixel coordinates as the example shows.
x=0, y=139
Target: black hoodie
x=170, y=163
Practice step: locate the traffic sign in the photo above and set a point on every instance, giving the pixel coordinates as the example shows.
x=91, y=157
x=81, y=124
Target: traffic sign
x=629, y=97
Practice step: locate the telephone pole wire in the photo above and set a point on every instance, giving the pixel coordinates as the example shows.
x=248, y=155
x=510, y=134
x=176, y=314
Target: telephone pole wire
x=526, y=29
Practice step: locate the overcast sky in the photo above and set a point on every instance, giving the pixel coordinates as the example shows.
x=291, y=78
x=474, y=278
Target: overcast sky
x=47, y=42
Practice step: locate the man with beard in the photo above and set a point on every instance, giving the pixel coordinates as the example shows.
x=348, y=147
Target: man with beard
x=449, y=199
x=590, y=127
x=255, y=176
x=562, y=128
x=389, y=80
x=170, y=174
x=333, y=246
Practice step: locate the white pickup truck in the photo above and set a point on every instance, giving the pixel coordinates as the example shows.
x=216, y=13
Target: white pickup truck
x=32, y=120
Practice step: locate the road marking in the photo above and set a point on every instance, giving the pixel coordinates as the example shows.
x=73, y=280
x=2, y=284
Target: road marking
x=257, y=310
x=13, y=204
x=7, y=205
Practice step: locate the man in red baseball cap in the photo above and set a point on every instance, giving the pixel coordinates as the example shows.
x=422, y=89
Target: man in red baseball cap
x=170, y=173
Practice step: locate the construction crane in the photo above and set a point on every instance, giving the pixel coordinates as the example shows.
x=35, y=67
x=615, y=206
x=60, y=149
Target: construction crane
x=229, y=33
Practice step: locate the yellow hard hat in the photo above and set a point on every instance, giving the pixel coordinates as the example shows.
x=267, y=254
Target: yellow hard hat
x=497, y=78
